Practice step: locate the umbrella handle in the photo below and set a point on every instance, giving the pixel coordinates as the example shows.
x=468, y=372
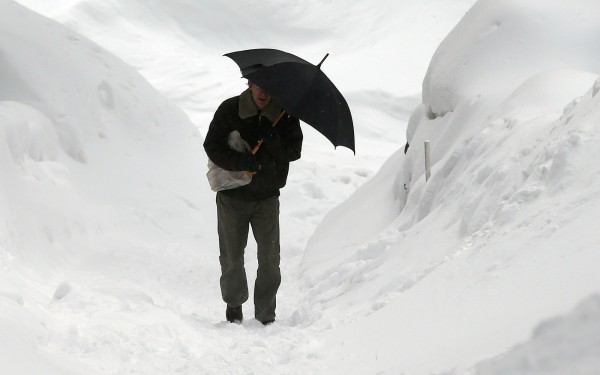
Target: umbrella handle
x=278, y=118
x=261, y=141
x=255, y=149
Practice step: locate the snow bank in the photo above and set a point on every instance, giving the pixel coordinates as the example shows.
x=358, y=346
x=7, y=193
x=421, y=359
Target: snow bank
x=500, y=44
x=82, y=132
x=92, y=161
x=563, y=345
x=501, y=236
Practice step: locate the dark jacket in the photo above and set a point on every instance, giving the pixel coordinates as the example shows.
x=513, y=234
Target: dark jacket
x=241, y=114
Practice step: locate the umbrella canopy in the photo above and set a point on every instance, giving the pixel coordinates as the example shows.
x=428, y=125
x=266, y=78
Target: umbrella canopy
x=302, y=89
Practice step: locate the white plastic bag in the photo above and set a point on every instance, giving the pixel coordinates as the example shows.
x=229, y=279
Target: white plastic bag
x=221, y=179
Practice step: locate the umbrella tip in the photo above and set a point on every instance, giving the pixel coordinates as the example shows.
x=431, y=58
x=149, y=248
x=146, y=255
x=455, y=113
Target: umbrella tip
x=319, y=66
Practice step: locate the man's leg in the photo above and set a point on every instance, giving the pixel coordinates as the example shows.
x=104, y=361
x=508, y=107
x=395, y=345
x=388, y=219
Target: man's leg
x=265, y=227
x=233, y=225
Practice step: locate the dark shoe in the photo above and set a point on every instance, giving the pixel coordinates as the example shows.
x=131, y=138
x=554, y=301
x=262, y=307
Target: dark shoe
x=234, y=314
x=267, y=322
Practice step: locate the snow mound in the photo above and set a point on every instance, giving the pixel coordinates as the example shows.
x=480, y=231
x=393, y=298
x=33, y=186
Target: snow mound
x=564, y=345
x=500, y=44
x=499, y=238
x=91, y=158
x=77, y=135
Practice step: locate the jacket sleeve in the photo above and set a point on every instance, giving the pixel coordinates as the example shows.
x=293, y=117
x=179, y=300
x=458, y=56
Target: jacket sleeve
x=215, y=143
x=287, y=146
x=292, y=137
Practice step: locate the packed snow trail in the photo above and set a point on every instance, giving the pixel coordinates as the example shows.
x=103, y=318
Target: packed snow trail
x=157, y=309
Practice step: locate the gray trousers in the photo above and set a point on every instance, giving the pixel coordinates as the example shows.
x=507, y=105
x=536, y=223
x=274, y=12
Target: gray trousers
x=234, y=219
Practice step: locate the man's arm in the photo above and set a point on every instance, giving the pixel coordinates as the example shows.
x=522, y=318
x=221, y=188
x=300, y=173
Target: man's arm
x=284, y=141
x=293, y=137
x=215, y=143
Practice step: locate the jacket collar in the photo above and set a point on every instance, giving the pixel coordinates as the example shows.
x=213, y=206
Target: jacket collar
x=248, y=108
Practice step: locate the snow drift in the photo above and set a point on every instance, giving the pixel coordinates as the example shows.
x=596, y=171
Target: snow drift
x=92, y=161
x=567, y=344
x=500, y=237
x=77, y=135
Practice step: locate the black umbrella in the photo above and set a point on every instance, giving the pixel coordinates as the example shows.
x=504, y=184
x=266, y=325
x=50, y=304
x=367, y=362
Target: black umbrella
x=302, y=89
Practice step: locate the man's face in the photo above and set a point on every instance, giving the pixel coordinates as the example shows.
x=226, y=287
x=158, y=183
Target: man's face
x=261, y=98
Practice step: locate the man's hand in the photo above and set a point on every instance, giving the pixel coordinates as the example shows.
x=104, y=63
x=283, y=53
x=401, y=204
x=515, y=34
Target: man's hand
x=247, y=162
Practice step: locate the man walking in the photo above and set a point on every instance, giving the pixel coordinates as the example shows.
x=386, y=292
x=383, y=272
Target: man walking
x=255, y=205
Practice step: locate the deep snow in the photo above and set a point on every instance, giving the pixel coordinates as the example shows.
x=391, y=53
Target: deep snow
x=108, y=242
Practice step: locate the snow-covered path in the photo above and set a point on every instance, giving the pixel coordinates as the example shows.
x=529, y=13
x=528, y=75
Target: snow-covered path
x=158, y=307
